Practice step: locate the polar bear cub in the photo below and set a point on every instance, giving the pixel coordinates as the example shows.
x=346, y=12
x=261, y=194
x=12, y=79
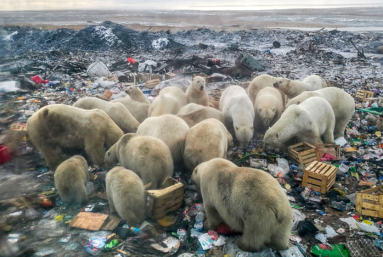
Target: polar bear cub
x=207, y=140
x=238, y=112
x=169, y=101
x=312, y=121
x=126, y=195
x=148, y=157
x=196, y=92
x=248, y=200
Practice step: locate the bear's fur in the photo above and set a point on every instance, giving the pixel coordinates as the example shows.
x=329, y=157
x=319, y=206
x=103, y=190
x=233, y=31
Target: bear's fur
x=169, y=101
x=126, y=195
x=259, y=83
x=190, y=108
x=116, y=111
x=196, y=92
x=201, y=114
x=148, y=157
x=268, y=107
x=58, y=126
x=293, y=88
x=342, y=104
x=170, y=129
x=139, y=110
x=71, y=177
x=247, y=200
x=136, y=94
x=207, y=140
x=312, y=121
x=238, y=112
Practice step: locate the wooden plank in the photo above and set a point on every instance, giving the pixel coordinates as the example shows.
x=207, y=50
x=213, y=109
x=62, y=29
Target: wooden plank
x=309, y=145
x=371, y=206
x=330, y=171
x=309, y=156
x=311, y=165
x=324, y=185
x=372, y=189
x=359, y=203
x=314, y=175
x=305, y=178
x=330, y=183
x=314, y=187
x=370, y=213
x=315, y=181
x=370, y=197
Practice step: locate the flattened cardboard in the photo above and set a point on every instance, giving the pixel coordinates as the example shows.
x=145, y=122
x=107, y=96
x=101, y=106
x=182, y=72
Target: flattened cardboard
x=94, y=221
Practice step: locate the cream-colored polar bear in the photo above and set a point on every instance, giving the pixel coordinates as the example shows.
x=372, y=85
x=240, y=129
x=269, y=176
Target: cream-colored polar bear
x=116, y=111
x=148, y=157
x=71, y=177
x=268, y=107
x=190, y=108
x=201, y=114
x=136, y=94
x=60, y=127
x=196, y=92
x=342, y=104
x=259, y=83
x=207, y=140
x=170, y=129
x=312, y=121
x=248, y=200
x=139, y=110
x=292, y=88
x=126, y=195
x=238, y=112
x=169, y=101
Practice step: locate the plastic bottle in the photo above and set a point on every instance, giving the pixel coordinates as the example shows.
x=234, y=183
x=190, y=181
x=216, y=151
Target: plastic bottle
x=111, y=244
x=199, y=221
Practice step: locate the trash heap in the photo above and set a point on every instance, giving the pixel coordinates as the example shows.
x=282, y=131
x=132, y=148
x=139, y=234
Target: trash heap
x=336, y=198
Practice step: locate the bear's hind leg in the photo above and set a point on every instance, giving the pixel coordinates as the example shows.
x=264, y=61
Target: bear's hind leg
x=280, y=240
x=94, y=148
x=328, y=136
x=213, y=219
x=111, y=205
x=254, y=236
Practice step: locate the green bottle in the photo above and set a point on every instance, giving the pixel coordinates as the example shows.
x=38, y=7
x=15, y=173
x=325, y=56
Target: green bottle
x=111, y=244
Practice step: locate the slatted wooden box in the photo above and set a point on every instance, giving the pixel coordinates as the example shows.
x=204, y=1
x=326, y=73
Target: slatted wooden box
x=161, y=202
x=304, y=153
x=370, y=202
x=319, y=176
x=331, y=149
x=362, y=95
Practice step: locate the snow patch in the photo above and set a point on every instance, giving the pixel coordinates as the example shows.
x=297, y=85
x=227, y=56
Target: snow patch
x=107, y=34
x=9, y=37
x=160, y=43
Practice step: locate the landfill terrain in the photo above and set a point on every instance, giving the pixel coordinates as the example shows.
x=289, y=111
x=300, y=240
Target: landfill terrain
x=44, y=67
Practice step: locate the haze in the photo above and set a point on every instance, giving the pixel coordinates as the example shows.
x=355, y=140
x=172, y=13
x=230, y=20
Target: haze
x=19, y=5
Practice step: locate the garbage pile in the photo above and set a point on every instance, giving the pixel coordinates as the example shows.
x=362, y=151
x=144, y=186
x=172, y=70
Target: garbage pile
x=339, y=216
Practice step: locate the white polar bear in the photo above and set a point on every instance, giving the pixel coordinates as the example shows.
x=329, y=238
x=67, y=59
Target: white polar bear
x=238, y=112
x=312, y=121
x=342, y=104
x=136, y=94
x=259, y=83
x=196, y=92
x=139, y=110
x=190, y=108
x=207, y=140
x=292, y=88
x=169, y=101
x=194, y=117
x=268, y=107
x=170, y=129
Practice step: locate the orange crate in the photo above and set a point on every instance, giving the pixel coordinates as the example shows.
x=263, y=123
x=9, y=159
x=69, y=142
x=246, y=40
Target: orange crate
x=319, y=176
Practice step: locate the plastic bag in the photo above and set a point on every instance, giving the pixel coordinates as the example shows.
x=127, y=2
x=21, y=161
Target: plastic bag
x=330, y=250
x=98, y=69
x=297, y=216
x=37, y=79
x=367, y=228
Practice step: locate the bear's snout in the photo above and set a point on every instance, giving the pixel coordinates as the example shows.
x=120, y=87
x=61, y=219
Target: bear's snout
x=276, y=84
x=201, y=88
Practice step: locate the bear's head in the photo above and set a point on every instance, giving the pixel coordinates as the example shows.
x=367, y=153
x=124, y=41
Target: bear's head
x=282, y=84
x=198, y=84
x=196, y=175
x=110, y=158
x=272, y=140
x=244, y=133
x=230, y=141
x=266, y=109
x=131, y=90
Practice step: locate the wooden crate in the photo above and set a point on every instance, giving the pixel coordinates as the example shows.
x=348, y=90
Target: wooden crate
x=304, y=153
x=161, y=202
x=332, y=149
x=370, y=202
x=362, y=95
x=152, y=83
x=319, y=176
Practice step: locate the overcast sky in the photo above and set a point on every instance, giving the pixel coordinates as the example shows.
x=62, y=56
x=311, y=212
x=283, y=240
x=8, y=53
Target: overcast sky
x=9, y=5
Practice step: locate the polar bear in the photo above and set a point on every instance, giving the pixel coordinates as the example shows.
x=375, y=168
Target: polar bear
x=58, y=126
x=116, y=111
x=312, y=121
x=139, y=110
x=259, y=83
x=169, y=101
x=196, y=92
x=292, y=88
x=148, y=157
x=268, y=107
x=190, y=108
x=238, y=112
x=136, y=94
x=342, y=104
x=170, y=129
x=201, y=114
x=207, y=140
x=247, y=200
x=71, y=177
x=126, y=195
